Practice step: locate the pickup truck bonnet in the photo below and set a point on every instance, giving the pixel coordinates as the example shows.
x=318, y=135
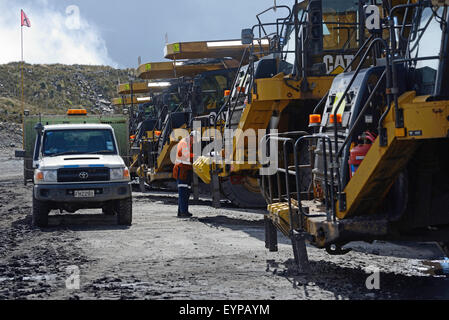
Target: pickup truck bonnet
x=86, y=160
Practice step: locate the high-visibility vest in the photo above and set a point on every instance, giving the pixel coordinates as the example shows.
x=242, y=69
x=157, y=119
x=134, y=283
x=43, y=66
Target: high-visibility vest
x=184, y=160
x=184, y=154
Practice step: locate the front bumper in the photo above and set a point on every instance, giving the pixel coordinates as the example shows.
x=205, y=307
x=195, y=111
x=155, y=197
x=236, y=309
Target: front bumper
x=64, y=192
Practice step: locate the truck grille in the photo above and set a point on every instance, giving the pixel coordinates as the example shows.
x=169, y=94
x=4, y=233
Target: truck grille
x=83, y=174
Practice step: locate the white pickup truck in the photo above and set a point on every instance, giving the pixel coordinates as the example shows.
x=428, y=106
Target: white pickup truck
x=78, y=166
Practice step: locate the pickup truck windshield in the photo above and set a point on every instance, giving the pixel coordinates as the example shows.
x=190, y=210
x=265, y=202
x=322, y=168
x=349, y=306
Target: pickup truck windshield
x=65, y=142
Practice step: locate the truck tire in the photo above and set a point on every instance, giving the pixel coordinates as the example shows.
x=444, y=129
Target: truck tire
x=40, y=213
x=124, y=209
x=241, y=196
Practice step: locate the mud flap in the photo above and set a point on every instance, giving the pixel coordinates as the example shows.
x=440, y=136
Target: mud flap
x=196, y=188
x=271, y=236
x=300, y=252
x=215, y=189
x=141, y=178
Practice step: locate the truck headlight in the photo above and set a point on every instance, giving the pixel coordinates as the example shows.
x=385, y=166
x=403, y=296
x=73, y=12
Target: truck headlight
x=46, y=176
x=120, y=174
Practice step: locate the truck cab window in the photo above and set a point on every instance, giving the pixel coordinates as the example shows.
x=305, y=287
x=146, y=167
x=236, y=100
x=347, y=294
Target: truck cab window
x=427, y=44
x=340, y=30
x=212, y=91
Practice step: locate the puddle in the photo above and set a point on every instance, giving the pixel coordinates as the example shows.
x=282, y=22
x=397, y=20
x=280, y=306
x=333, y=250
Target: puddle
x=436, y=267
x=115, y=285
x=50, y=277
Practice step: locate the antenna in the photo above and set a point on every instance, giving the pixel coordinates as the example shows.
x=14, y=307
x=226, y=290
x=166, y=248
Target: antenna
x=166, y=38
x=275, y=5
x=139, y=61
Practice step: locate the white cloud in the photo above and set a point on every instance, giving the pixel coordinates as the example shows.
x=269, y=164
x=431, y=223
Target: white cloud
x=52, y=37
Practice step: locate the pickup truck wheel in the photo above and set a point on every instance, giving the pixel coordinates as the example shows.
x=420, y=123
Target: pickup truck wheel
x=40, y=213
x=125, y=212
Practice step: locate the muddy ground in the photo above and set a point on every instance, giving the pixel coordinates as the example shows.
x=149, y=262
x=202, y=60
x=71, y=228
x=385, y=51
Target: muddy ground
x=218, y=254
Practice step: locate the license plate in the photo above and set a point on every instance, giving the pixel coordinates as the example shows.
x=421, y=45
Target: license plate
x=85, y=194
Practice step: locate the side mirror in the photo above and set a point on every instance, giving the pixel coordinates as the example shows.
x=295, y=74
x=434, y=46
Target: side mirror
x=20, y=154
x=247, y=36
x=39, y=128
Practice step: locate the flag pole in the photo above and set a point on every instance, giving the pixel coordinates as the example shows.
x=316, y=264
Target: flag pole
x=21, y=28
x=23, y=95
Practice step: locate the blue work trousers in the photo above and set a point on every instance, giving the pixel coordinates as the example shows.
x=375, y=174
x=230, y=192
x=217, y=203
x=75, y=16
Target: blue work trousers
x=184, y=195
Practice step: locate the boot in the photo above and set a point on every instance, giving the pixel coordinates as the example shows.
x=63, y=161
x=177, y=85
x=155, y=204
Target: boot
x=184, y=215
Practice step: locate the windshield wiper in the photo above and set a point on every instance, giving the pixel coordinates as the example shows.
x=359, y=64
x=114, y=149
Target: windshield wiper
x=101, y=151
x=63, y=154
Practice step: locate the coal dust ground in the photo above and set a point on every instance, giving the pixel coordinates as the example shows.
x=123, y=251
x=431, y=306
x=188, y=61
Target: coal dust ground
x=218, y=254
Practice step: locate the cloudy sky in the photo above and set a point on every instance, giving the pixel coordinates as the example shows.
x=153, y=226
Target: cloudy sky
x=116, y=32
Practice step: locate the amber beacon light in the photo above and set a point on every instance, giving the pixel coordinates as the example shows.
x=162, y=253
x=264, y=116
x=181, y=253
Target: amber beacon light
x=77, y=112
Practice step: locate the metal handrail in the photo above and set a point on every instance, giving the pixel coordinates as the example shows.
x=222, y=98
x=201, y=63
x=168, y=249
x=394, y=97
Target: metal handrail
x=228, y=101
x=329, y=192
x=295, y=144
x=261, y=25
x=330, y=198
x=231, y=110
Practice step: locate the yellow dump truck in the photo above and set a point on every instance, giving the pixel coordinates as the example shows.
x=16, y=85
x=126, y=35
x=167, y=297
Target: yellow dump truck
x=309, y=44
x=380, y=159
x=197, y=95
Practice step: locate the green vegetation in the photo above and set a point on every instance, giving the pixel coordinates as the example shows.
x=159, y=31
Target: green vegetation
x=52, y=89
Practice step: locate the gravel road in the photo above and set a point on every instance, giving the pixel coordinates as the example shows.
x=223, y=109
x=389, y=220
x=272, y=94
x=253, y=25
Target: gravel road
x=218, y=254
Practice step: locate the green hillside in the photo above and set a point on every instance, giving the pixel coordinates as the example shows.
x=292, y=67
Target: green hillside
x=52, y=89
